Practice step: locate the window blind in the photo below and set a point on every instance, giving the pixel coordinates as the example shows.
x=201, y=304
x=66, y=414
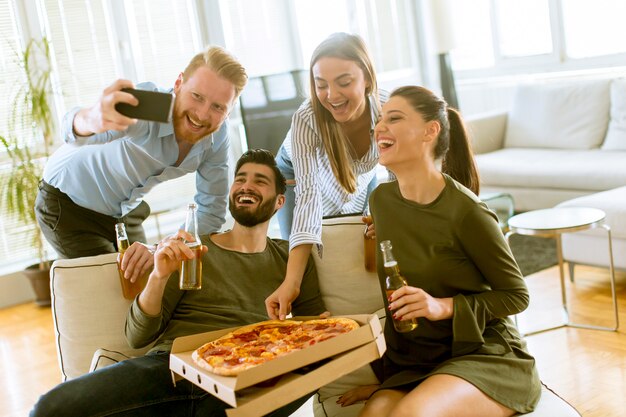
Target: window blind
x=16, y=237
x=163, y=38
x=258, y=33
x=83, y=48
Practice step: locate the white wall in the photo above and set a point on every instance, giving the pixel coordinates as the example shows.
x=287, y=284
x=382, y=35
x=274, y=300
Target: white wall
x=15, y=290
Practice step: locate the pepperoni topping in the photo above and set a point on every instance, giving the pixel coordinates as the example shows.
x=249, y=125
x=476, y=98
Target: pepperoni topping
x=218, y=351
x=232, y=361
x=303, y=338
x=247, y=337
x=256, y=352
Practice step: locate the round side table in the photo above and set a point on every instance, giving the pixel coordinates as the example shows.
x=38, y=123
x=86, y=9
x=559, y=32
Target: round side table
x=553, y=223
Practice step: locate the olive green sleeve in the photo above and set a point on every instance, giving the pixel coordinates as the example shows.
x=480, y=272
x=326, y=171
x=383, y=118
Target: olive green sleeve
x=485, y=245
x=141, y=328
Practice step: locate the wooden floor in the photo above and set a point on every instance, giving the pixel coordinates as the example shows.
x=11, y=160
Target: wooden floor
x=586, y=367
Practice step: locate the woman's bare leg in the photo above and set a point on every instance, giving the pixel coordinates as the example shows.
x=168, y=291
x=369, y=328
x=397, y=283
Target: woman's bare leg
x=381, y=403
x=438, y=396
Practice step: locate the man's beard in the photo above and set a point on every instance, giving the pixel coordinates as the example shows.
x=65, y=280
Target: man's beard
x=248, y=217
x=181, y=130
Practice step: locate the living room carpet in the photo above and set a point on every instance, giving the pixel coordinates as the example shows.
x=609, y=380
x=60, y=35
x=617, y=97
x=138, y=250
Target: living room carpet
x=533, y=253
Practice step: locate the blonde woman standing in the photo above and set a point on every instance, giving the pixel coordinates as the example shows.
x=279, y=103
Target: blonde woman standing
x=329, y=156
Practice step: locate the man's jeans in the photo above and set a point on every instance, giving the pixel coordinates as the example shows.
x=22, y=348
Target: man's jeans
x=75, y=231
x=135, y=387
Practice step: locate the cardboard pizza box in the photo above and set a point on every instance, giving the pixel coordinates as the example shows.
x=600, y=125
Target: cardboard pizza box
x=343, y=353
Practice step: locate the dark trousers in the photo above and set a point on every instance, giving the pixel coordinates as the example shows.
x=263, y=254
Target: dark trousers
x=135, y=387
x=75, y=231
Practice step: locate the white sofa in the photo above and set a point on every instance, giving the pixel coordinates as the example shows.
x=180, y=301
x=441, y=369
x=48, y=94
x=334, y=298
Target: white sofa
x=591, y=247
x=560, y=140
x=89, y=314
x=562, y=143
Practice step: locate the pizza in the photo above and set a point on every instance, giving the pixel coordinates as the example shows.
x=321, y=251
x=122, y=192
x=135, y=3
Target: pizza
x=252, y=345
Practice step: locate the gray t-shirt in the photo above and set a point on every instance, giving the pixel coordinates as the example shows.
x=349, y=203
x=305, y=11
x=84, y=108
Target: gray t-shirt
x=234, y=288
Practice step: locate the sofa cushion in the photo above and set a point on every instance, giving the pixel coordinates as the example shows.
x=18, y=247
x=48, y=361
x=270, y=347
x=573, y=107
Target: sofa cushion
x=616, y=135
x=346, y=287
x=88, y=311
x=105, y=357
x=573, y=115
x=591, y=170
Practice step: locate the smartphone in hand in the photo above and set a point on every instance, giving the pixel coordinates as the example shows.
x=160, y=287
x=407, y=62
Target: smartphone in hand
x=153, y=105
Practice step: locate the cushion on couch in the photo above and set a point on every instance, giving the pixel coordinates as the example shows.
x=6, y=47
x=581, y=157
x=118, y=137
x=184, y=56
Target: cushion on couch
x=347, y=288
x=616, y=135
x=88, y=310
x=553, y=169
x=568, y=115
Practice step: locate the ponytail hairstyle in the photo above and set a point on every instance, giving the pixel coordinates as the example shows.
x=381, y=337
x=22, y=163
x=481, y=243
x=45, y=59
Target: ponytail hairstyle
x=352, y=48
x=453, y=145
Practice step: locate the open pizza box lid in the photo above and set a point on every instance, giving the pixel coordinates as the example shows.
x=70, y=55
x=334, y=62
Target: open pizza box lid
x=348, y=352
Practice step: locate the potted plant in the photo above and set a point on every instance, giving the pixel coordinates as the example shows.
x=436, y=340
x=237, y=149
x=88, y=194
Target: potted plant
x=31, y=120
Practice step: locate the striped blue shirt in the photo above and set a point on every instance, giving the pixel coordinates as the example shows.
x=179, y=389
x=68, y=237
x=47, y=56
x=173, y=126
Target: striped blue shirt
x=317, y=191
x=110, y=172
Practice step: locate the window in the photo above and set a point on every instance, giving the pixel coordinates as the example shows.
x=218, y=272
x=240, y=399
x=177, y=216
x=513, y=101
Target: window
x=387, y=28
x=523, y=28
x=472, y=34
x=315, y=23
x=93, y=43
x=83, y=44
x=505, y=37
x=16, y=237
x=603, y=21
x=258, y=32
x=275, y=36
x=163, y=36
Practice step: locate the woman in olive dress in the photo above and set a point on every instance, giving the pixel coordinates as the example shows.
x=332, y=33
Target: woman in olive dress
x=466, y=357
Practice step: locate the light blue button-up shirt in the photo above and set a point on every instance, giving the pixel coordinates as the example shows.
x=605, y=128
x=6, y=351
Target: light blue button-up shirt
x=110, y=172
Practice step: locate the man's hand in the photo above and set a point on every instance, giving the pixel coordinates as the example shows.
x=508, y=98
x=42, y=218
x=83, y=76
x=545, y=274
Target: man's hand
x=102, y=116
x=370, y=231
x=170, y=252
x=278, y=304
x=137, y=261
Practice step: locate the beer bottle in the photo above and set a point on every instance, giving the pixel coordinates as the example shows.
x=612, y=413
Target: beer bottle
x=369, y=245
x=191, y=269
x=129, y=289
x=393, y=282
